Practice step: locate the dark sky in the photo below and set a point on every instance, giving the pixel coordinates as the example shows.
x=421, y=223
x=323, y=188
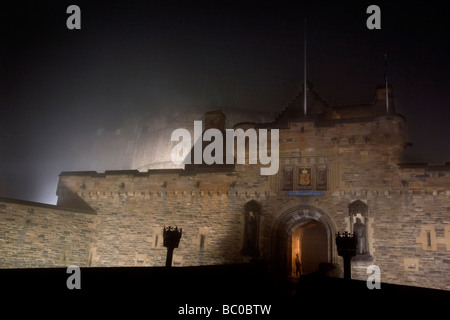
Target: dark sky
x=58, y=86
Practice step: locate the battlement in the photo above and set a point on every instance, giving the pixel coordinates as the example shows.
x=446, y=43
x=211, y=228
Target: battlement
x=422, y=178
x=74, y=187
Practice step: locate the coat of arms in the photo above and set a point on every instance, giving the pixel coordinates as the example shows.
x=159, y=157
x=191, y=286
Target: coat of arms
x=305, y=177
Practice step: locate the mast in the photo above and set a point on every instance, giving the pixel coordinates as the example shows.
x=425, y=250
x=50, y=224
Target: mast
x=304, y=76
x=386, y=81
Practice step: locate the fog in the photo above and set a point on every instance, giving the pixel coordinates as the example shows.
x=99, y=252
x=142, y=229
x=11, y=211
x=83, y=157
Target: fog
x=134, y=63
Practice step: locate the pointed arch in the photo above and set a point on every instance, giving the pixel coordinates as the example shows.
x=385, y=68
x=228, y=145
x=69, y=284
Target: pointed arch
x=358, y=206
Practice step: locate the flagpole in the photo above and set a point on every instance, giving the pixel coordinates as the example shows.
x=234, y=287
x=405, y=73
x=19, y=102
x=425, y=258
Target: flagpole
x=304, y=80
x=386, y=80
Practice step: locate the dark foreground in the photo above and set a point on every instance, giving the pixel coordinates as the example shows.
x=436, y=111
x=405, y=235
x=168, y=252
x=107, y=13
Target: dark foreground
x=217, y=292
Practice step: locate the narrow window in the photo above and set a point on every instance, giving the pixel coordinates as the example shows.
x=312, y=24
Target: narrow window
x=429, y=239
x=156, y=241
x=287, y=179
x=202, y=242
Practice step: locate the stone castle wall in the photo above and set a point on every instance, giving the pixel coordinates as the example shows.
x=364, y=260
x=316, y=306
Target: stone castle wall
x=116, y=218
x=132, y=209
x=35, y=235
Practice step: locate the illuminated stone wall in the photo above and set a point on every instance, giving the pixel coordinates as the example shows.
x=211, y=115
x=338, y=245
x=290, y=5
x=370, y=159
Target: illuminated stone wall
x=36, y=235
x=132, y=209
x=116, y=218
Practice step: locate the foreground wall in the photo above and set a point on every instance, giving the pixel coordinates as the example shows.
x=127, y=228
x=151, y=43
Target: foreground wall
x=133, y=208
x=38, y=235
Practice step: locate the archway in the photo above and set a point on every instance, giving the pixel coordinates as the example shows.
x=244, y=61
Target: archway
x=312, y=230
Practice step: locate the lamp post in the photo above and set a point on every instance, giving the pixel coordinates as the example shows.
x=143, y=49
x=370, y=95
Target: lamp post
x=346, y=245
x=172, y=238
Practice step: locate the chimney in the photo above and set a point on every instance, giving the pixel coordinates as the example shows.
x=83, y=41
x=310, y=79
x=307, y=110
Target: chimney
x=215, y=119
x=380, y=92
x=380, y=96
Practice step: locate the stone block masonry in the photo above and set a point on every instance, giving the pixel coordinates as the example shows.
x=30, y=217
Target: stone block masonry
x=36, y=235
x=132, y=209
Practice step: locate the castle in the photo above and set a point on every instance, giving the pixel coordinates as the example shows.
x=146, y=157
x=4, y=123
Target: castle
x=340, y=169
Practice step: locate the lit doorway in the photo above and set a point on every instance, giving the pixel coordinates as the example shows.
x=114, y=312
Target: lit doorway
x=310, y=243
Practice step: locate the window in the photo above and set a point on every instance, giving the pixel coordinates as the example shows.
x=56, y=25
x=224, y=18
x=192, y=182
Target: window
x=202, y=242
x=287, y=179
x=156, y=241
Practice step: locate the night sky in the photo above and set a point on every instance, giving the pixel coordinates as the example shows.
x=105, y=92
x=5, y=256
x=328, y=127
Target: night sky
x=58, y=86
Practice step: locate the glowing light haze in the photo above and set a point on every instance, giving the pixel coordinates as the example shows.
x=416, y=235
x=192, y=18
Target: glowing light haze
x=144, y=59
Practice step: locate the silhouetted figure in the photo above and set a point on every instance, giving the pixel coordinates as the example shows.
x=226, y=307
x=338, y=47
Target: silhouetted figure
x=359, y=230
x=297, y=266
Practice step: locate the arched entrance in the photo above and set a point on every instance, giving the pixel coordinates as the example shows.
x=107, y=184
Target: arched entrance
x=306, y=231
